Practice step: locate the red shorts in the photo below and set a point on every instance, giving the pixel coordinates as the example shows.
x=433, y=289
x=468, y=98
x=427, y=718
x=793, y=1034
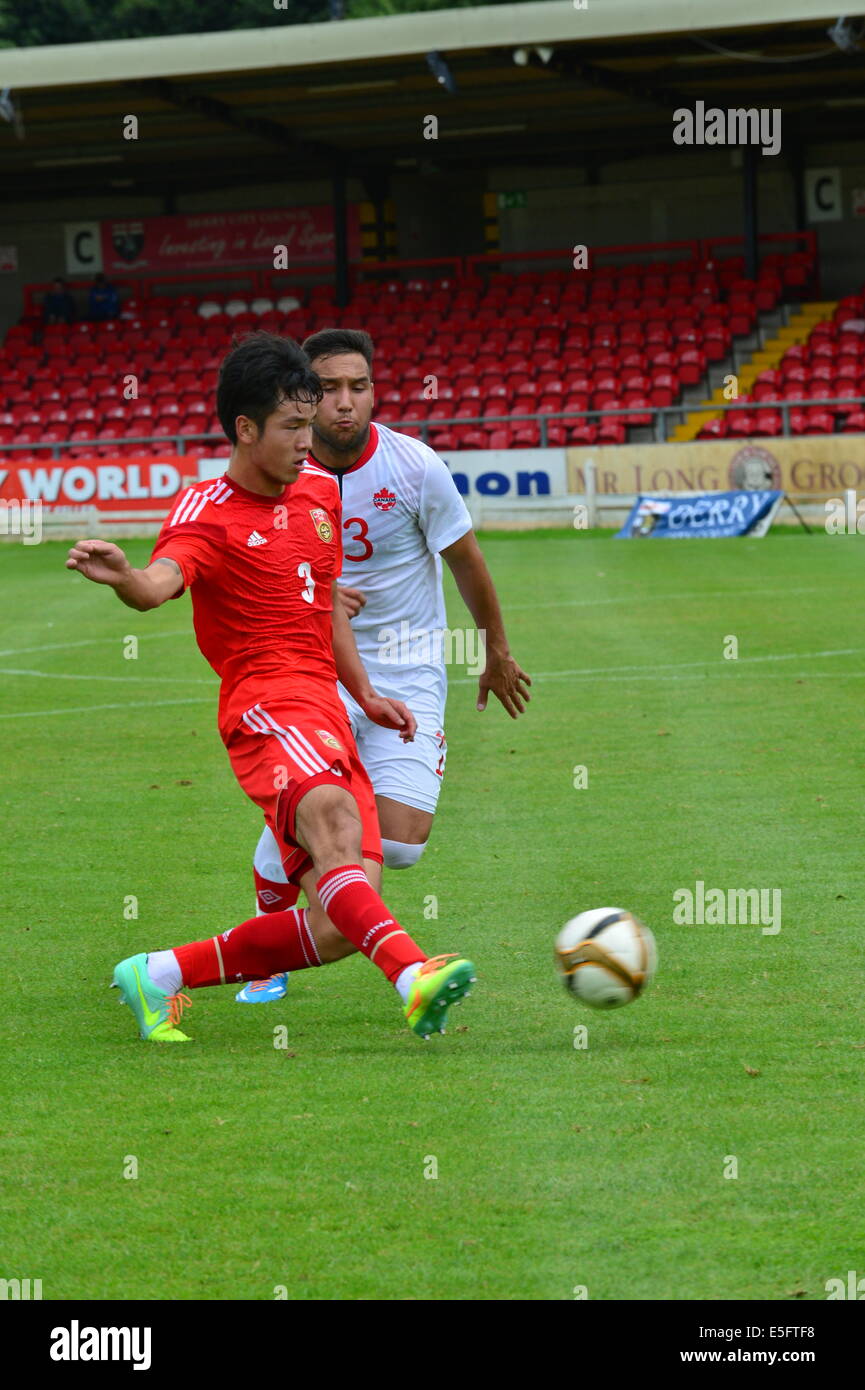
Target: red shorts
x=280, y=752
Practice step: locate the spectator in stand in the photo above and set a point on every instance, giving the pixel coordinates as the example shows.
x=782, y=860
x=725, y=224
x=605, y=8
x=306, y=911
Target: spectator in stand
x=103, y=301
x=58, y=306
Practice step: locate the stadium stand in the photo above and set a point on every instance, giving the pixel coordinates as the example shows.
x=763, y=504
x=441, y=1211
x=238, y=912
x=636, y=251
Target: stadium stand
x=519, y=358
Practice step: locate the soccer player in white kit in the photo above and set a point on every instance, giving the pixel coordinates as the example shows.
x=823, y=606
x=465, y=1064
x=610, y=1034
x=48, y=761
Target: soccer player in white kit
x=401, y=511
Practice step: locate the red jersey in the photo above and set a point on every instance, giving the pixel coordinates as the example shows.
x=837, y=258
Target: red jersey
x=260, y=571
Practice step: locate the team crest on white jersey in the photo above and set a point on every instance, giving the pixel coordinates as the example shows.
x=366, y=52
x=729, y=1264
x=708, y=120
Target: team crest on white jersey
x=321, y=523
x=384, y=500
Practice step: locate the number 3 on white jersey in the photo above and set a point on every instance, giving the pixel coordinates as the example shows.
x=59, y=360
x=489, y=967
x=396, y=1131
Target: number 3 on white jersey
x=305, y=572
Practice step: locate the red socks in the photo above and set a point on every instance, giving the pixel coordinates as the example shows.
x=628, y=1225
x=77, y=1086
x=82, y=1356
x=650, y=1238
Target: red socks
x=358, y=912
x=260, y=947
x=281, y=939
x=274, y=897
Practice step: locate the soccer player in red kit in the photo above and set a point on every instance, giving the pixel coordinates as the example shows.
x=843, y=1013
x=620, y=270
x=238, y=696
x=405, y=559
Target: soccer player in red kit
x=259, y=550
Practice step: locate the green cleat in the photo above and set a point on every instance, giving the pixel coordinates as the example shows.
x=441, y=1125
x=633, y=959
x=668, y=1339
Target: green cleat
x=156, y=1012
x=437, y=986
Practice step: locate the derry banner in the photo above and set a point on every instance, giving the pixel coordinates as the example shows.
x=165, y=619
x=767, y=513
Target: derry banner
x=712, y=516
x=213, y=240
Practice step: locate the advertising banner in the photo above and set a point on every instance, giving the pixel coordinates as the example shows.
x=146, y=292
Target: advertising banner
x=512, y=474
x=713, y=516
x=810, y=465
x=214, y=240
x=131, y=485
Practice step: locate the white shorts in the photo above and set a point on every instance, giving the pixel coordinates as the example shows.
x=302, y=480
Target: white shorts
x=410, y=773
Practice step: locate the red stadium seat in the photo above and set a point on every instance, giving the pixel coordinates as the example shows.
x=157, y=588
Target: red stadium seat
x=611, y=430
x=768, y=422
x=819, y=421
x=714, y=428
x=661, y=359
x=557, y=434
x=641, y=414
x=470, y=437
x=581, y=432
x=740, y=423
x=526, y=435
x=445, y=439
x=664, y=388
x=691, y=366
x=164, y=426
x=822, y=369
x=632, y=380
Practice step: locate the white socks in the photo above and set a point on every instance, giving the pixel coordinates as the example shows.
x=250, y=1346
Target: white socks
x=404, y=980
x=398, y=855
x=164, y=971
x=267, y=859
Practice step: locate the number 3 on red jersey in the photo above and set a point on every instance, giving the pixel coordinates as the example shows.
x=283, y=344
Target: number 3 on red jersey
x=360, y=535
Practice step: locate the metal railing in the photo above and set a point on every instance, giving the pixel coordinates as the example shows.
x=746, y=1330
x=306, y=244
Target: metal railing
x=661, y=415
x=176, y=443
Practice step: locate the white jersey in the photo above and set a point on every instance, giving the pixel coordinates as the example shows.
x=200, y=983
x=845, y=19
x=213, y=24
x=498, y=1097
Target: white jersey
x=400, y=507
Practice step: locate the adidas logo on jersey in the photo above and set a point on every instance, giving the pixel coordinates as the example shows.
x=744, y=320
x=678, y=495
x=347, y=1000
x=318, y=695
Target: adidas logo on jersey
x=256, y=539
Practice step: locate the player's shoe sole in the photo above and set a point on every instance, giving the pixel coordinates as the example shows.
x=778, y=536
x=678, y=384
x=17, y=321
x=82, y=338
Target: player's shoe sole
x=263, y=991
x=156, y=1012
x=434, y=989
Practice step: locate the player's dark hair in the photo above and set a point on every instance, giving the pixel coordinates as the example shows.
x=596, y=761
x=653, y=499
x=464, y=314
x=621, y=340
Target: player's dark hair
x=329, y=341
x=259, y=373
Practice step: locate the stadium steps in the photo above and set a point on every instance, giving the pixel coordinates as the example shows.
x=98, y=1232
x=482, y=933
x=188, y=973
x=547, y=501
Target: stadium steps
x=796, y=330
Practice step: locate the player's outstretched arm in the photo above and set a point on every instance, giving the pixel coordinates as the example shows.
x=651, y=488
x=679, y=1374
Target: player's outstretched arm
x=105, y=563
x=390, y=714
x=501, y=675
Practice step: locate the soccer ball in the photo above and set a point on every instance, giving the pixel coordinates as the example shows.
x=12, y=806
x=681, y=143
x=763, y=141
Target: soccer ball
x=605, y=957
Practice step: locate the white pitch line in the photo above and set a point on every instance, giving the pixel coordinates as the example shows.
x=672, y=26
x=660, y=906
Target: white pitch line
x=125, y=680
x=89, y=642
x=665, y=598
x=90, y=709
x=612, y=672
x=729, y=676
x=554, y=603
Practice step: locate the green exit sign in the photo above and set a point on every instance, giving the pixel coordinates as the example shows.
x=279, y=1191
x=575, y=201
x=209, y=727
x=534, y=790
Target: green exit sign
x=512, y=200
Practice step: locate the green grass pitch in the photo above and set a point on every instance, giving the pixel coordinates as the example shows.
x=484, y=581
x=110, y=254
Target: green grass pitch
x=303, y=1171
